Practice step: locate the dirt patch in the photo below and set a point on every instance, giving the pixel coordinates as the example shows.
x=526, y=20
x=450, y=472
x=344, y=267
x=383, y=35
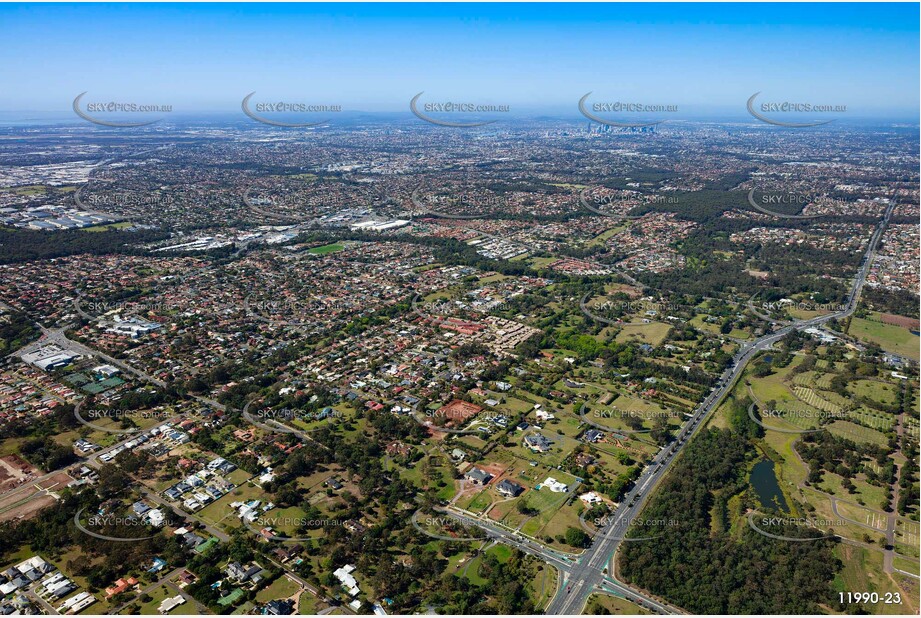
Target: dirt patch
x=899, y=320
x=15, y=471
x=629, y=290
x=495, y=468
x=57, y=482
x=28, y=509
x=15, y=497
x=30, y=499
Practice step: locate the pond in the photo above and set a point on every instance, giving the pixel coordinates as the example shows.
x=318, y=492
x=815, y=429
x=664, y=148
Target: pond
x=766, y=486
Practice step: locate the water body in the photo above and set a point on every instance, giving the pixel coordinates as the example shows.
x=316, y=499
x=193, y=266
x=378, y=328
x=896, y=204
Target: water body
x=766, y=486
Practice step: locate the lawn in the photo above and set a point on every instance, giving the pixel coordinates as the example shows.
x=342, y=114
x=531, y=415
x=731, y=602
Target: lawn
x=478, y=503
x=157, y=595
x=895, y=339
x=853, y=431
x=326, y=249
x=863, y=571
x=540, y=262
x=610, y=604
x=565, y=518
x=547, y=504
x=285, y=521
x=543, y=586
x=653, y=333
x=472, y=572
x=871, y=495
x=604, y=236
x=282, y=588
x=222, y=514
x=109, y=226
x=904, y=564
x=307, y=604
x=500, y=552
x=875, y=390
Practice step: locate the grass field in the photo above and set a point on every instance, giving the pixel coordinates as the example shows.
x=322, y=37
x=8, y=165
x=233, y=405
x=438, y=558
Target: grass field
x=480, y=502
x=653, y=333
x=541, y=262
x=863, y=571
x=472, y=571
x=870, y=495
x=610, y=604
x=858, y=433
x=500, y=552
x=307, y=604
x=108, y=227
x=150, y=607
x=222, y=514
x=604, y=236
x=905, y=564
x=281, y=588
x=895, y=339
x=875, y=390
x=326, y=249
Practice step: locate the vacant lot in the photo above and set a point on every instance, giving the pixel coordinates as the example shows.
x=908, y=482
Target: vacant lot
x=895, y=339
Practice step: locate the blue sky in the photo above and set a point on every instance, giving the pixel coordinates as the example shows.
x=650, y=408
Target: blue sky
x=375, y=57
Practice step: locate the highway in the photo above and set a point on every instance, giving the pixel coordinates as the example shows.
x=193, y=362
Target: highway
x=590, y=573
x=562, y=561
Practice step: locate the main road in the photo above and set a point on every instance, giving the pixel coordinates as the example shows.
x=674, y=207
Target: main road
x=592, y=572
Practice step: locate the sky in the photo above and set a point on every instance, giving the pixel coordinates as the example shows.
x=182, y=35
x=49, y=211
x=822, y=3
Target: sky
x=540, y=57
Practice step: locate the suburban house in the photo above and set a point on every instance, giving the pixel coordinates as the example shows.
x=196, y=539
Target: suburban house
x=555, y=486
x=509, y=488
x=478, y=476
x=537, y=443
x=120, y=586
